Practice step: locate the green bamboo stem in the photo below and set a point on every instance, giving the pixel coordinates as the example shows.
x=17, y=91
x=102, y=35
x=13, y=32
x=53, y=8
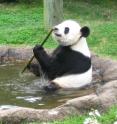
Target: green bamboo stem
x=29, y=62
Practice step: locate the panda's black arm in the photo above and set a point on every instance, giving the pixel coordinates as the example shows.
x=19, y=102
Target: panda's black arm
x=42, y=57
x=34, y=68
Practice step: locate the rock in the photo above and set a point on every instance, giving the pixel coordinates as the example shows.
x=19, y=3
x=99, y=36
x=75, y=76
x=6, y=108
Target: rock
x=3, y=54
x=20, y=53
x=13, y=54
x=105, y=98
x=19, y=115
x=107, y=69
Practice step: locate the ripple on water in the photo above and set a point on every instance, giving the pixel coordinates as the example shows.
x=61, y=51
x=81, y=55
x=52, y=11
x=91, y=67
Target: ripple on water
x=5, y=107
x=30, y=98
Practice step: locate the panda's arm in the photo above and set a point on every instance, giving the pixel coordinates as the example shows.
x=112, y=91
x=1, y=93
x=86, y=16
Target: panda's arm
x=42, y=57
x=53, y=65
x=34, y=68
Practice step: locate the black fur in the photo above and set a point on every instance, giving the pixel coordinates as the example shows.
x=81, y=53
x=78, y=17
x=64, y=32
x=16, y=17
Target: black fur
x=85, y=31
x=34, y=68
x=63, y=61
x=66, y=31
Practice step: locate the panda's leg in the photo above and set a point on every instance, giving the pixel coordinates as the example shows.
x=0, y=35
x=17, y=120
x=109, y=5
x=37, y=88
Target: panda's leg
x=52, y=87
x=74, y=80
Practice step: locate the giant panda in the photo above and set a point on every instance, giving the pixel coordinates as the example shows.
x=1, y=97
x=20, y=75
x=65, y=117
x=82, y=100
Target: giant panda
x=69, y=66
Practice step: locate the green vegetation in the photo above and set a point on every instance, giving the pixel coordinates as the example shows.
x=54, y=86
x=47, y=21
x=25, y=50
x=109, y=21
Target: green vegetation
x=71, y=120
x=107, y=118
x=23, y=24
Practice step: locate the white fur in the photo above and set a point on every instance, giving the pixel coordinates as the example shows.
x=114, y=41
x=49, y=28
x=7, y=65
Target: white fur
x=81, y=46
x=74, y=80
x=70, y=38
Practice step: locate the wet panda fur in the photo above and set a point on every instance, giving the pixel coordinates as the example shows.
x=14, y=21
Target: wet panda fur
x=70, y=64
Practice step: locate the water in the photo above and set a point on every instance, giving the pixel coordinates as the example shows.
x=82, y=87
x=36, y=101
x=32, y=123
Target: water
x=26, y=90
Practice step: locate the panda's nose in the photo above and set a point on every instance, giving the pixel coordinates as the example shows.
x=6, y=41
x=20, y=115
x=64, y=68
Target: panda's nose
x=55, y=29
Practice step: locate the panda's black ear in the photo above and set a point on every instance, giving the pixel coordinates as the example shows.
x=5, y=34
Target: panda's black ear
x=85, y=31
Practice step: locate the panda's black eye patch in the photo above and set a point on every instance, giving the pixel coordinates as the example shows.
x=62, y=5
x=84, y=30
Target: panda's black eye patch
x=66, y=31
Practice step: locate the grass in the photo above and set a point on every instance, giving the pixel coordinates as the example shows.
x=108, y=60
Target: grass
x=106, y=118
x=71, y=120
x=109, y=117
x=23, y=24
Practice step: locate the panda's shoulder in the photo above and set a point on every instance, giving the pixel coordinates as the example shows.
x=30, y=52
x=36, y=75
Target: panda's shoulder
x=57, y=50
x=67, y=51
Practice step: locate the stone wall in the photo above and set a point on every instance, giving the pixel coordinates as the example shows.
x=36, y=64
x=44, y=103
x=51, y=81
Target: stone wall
x=14, y=54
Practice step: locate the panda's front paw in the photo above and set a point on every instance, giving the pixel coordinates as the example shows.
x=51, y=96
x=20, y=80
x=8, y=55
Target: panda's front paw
x=37, y=49
x=51, y=87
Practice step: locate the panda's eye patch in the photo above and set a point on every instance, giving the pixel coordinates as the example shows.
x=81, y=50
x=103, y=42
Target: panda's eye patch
x=66, y=31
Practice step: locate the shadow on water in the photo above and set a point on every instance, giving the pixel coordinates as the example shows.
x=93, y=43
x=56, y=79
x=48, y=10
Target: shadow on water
x=26, y=90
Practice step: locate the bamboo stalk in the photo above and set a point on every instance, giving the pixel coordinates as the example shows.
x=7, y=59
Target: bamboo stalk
x=29, y=62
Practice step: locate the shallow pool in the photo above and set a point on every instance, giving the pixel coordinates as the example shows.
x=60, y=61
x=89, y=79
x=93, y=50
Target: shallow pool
x=26, y=90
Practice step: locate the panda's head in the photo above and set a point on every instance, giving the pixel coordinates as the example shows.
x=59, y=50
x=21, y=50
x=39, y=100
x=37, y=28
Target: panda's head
x=69, y=32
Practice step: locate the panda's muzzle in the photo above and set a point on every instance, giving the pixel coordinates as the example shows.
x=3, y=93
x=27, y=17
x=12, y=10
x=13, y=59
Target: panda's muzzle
x=58, y=35
x=55, y=29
